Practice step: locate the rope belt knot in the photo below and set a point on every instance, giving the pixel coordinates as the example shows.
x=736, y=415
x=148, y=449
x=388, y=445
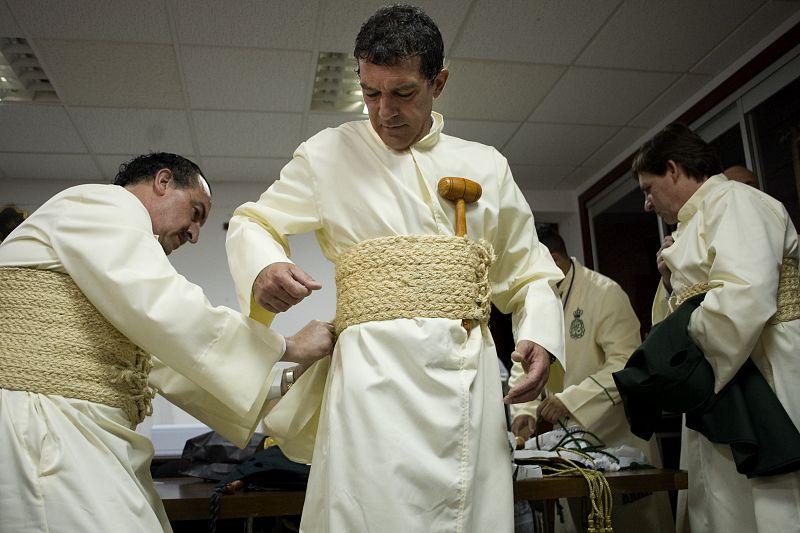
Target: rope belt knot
x=416, y=276
x=54, y=341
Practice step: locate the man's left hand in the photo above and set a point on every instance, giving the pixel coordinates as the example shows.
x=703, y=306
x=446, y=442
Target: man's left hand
x=536, y=362
x=552, y=410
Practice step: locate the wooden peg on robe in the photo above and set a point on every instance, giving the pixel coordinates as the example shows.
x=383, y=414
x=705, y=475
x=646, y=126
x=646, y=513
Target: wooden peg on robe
x=462, y=191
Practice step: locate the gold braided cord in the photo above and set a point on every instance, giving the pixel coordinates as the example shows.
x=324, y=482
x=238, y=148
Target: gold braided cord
x=788, y=292
x=425, y=276
x=694, y=290
x=600, y=500
x=54, y=341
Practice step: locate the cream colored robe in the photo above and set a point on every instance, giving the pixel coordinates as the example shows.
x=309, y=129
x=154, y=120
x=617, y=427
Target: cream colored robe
x=412, y=433
x=736, y=236
x=73, y=465
x=601, y=332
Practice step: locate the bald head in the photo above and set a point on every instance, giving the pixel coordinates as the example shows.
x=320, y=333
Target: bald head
x=742, y=175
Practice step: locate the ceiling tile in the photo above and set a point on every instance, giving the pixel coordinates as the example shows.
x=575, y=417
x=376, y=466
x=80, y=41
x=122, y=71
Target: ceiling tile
x=8, y=26
x=343, y=19
x=556, y=144
x=37, y=128
x=549, y=31
x=494, y=91
x=94, y=20
x=247, y=79
x=577, y=177
x=49, y=166
x=109, y=164
x=494, y=134
x=113, y=74
x=256, y=23
x=260, y=170
x=600, y=96
x=247, y=134
x=671, y=101
x=667, y=36
x=748, y=35
x=137, y=131
x=542, y=177
x=621, y=145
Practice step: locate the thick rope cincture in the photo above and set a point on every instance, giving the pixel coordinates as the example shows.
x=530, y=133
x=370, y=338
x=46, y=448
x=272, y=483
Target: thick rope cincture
x=424, y=276
x=54, y=341
x=788, y=292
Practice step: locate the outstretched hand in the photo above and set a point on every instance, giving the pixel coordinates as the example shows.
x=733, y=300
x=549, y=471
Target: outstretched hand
x=310, y=344
x=279, y=286
x=536, y=363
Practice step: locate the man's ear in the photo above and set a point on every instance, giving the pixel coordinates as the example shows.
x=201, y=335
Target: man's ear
x=161, y=181
x=439, y=82
x=673, y=169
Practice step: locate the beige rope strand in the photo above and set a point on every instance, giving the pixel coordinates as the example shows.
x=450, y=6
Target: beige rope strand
x=426, y=276
x=54, y=341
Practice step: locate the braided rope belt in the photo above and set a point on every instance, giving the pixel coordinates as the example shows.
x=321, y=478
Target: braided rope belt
x=54, y=341
x=423, y=276
x=788, y=292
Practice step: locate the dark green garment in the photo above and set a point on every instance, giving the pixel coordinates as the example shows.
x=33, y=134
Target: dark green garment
x=668, y=372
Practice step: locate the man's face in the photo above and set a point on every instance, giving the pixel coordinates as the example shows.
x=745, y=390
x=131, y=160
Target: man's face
x=661, y=195
x=399, y=100
x=180, y=214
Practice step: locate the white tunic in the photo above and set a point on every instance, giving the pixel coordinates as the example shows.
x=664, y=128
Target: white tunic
x=601, y=332
x=736, y=236
x=412, y=433
x=74, y=465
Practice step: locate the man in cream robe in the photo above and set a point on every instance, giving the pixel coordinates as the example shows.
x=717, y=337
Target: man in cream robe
x=75, y=465
x=740, y=245
x=601, y=333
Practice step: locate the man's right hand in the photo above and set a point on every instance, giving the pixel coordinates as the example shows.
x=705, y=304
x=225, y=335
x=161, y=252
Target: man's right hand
x=310, y=344
x=279, y=286
x=523, y=426
x=663, y=269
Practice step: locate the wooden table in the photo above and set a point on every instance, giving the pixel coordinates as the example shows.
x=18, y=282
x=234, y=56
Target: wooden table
x=187, y=498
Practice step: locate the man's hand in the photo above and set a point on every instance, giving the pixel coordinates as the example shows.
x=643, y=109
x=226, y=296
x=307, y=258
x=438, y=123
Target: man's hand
x=310, y=344
x=282, y=285
x=523, y=426
x=536, y=363
x=663, y=269
x=552, y=410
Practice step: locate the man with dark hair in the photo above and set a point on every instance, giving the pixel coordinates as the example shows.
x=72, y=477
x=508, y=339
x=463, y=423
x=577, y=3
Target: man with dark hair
x=92, y=315
x=601, y=333
x=411, y=435
x=738, y=246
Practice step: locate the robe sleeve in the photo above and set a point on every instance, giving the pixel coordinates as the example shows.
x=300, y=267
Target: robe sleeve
x=524, y=274
x=219, y=360
x=616, y=336
x=744, y=238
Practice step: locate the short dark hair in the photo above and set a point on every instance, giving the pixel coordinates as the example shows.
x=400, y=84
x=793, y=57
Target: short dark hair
x=400, y=32
x=185, y=173
x=678, y=143
x=549, y=237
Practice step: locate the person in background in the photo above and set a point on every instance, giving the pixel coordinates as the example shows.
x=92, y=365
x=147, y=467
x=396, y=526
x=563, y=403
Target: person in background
x=739, y=246
x=601, y=333
x=89, y=303
x=409, y=433
x=742, y=175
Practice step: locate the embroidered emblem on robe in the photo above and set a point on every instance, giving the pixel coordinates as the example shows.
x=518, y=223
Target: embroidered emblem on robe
x=576, y=327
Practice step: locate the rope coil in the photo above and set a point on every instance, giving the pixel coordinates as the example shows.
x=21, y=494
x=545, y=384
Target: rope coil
x=54, y=341
x=424, y=276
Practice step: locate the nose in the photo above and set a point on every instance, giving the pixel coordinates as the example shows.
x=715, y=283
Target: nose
x=648, y=205
x=193, y=232
x=387, y=108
